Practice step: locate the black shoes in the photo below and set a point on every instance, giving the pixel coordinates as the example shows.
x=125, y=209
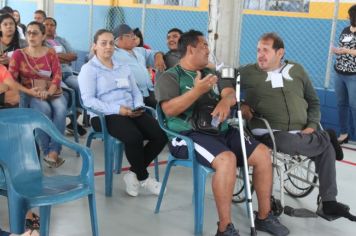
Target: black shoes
x=271, y=225
x=81, y=130
x=339, y=154
x=229, y=231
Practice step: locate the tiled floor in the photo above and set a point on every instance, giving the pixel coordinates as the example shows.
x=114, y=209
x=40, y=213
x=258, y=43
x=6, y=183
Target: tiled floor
x=125, y=215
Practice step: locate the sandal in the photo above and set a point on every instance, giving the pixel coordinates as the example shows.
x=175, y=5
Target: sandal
x=34, y=223
x=53, y=164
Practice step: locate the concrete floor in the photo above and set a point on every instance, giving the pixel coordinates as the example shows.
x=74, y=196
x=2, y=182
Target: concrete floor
x=125, y=215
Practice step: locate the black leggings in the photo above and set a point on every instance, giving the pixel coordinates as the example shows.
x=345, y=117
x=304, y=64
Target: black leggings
x=132, y=132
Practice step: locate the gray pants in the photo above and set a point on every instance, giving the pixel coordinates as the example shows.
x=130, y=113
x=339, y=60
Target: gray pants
x=317, y=146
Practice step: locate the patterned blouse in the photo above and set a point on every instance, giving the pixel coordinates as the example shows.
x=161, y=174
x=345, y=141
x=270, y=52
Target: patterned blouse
x=48, y=64
x=346, y=63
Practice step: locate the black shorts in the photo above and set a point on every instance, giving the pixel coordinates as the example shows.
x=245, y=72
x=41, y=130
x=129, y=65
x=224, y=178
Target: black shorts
x=207, y=147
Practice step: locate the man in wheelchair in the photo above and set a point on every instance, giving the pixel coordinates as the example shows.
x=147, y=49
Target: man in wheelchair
x=281, y=92
x=180, y=91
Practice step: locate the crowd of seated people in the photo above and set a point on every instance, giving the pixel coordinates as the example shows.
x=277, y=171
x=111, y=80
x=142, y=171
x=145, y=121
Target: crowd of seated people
x=116, y=81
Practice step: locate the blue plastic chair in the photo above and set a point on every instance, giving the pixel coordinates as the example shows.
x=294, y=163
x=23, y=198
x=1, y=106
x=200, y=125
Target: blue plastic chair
x=200, y=173
x=113, y=150
x=26, y=186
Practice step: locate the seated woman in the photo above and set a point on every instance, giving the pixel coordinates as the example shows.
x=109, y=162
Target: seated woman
x=38, y=67
x=110, y=87
x=9, y=38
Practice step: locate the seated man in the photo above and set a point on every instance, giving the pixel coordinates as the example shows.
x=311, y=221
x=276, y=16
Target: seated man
x=138, y=59
x=282, y=93
x=66, y=56
x=172, y=57
x=178, y=91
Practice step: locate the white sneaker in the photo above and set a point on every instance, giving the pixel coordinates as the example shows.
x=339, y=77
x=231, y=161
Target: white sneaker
x=132, y=184
x=152, y=185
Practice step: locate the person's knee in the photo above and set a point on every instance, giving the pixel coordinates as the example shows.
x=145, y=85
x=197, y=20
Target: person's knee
x=261, y=157
x=225, y=161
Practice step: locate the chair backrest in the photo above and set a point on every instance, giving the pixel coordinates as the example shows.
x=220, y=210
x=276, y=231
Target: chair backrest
x=18, y=156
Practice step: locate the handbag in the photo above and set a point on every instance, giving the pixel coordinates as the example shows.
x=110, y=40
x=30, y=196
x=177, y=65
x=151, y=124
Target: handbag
x=42, y=84
x=201, y=116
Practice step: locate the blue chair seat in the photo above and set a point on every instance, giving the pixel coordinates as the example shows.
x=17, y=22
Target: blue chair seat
x=47, y=187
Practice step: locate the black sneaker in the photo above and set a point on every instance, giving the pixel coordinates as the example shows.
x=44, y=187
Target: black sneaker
x=229, y=231
x=271, y=225
x=81, y=130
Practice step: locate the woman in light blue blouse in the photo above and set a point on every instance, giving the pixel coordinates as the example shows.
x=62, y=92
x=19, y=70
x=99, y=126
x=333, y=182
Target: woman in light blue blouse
x=110, y=88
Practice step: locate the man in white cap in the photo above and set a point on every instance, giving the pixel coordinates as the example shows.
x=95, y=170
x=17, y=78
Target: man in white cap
x=139, y=59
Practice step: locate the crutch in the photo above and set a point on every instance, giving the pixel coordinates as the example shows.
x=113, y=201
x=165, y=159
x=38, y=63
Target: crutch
x=231, y=73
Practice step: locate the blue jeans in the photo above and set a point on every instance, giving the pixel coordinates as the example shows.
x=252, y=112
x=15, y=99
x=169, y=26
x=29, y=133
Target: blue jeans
x=345, y=89
x=56, y=110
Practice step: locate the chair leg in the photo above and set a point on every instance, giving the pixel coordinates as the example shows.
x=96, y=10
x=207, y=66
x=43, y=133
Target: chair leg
x=45, y=215
x=89, y=139
x=118, y=156
x=108, y=155
x=93, y=216
x=156, y=163
x=164, y=184
x=17, y=215
x=199, y=197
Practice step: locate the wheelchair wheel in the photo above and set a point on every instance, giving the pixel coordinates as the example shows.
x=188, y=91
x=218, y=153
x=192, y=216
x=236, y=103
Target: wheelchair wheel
x=299, y=182
x=239, y=195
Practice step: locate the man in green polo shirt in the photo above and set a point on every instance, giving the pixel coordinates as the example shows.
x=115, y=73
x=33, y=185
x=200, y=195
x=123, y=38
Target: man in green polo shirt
x=178, y=91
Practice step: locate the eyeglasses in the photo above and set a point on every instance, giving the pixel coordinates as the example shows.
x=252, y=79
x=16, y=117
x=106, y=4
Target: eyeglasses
x=34, y=33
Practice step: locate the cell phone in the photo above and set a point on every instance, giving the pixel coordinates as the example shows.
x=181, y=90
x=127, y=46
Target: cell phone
x=141, y=108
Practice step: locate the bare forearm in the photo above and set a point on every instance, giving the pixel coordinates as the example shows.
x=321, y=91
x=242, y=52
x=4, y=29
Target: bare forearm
x=229, y=94
x=67, y=57
x=179, y=104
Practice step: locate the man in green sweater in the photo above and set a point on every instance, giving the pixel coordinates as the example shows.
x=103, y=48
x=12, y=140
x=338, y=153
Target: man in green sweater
x=178, y=91
x=282, y=93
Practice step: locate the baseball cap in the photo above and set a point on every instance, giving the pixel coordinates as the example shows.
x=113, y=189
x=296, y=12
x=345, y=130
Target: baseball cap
x=121, y=30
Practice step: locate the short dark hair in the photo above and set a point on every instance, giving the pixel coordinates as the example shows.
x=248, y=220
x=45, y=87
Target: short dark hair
x=43, y=13
x=40, y=26
x=277, y=41
x=100, y=32
x=52, y=19
x=175, y=30
x=7, y=9
x=190, y=38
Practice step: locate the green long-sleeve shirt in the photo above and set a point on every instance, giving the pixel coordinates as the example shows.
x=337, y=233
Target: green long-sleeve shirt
x=295, y=106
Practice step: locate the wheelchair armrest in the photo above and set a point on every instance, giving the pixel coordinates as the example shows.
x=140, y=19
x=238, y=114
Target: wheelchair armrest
x=268, y=127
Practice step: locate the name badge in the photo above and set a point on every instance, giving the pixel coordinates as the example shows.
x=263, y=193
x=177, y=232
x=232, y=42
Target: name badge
x=58, y=49
x=122, y=83
x=347, y=39
x=277, y=80
x=9, y=54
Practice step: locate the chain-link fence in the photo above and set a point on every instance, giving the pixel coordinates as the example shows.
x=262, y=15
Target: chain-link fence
x=306, y=26
x=155, y=18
